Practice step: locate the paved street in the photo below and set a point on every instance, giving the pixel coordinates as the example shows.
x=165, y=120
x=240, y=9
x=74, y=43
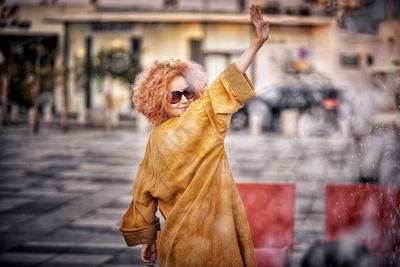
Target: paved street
x=62, y=195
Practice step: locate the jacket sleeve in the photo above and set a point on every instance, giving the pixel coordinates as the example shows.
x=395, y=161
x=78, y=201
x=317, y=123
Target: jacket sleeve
x=226, y=95
x=139, y=224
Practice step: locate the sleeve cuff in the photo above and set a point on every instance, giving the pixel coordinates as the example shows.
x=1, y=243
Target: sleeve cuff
x=239, y=83
x=143, y=235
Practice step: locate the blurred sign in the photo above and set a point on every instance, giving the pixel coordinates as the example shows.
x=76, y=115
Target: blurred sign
x=27, y=2
x=125, y=5
x=73, y=2
x=10, y=18
x=105, y=27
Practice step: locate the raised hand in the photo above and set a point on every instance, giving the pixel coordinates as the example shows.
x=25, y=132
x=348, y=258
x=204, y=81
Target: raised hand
x=262, y=32
x=261, y=26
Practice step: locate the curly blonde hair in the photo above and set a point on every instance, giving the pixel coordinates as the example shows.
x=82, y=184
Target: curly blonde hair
x=150, y=89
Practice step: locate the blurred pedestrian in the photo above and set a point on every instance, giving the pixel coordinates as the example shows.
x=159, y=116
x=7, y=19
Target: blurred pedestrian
x=376, y=129
x=185, y=172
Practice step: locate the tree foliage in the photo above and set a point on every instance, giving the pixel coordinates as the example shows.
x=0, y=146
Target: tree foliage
x=116, y=63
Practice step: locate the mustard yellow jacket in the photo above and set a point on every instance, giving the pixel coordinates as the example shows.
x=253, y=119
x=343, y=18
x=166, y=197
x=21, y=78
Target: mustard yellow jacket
x=185, y=173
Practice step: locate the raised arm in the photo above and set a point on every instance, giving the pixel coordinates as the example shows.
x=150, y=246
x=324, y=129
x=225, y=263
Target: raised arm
x=232, y=88
x=262, y=32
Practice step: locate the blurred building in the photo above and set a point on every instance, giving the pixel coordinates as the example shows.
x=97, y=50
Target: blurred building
x=89, y=45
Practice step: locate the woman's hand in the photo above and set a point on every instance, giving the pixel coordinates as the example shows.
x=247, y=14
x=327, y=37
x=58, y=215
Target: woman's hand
x=262, y=32
x=261, y=26
x=149, y=253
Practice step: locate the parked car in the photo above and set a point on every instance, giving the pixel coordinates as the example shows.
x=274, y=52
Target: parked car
x=326, y=100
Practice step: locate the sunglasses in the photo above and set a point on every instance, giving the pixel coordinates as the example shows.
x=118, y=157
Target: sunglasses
x=177, y=95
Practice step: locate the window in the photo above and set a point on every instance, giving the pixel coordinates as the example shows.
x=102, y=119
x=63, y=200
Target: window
x=370, y=60
x=170, y=2
x=391, y=44
x=349, y=61
x=196, y=53
x=136, y=44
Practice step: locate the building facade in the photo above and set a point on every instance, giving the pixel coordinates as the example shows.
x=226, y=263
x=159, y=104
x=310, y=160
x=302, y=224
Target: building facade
x=304, y=38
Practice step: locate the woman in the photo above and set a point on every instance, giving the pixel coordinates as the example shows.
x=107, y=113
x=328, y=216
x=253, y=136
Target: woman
x=185, y=172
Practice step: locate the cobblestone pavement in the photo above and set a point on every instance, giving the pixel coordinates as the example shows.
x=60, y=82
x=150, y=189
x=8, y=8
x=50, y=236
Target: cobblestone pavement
x=62, y=195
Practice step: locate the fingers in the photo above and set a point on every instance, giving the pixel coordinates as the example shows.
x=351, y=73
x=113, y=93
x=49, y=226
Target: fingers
x=153, y=252
x=255, y=13
x=259, y=13
x=252, y=14
x=143, y=253
x=148, y=254
x=153, y=257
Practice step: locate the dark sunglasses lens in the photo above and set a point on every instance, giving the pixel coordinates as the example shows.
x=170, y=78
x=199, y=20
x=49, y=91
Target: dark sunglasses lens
x=176, y=97
x=189, y=93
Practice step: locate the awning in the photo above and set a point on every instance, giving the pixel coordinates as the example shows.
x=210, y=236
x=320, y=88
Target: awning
x=186, y=17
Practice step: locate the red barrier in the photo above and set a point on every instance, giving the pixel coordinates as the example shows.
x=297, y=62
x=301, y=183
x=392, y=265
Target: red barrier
x=270, y=212
x=271, y=257
x=369, y=214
